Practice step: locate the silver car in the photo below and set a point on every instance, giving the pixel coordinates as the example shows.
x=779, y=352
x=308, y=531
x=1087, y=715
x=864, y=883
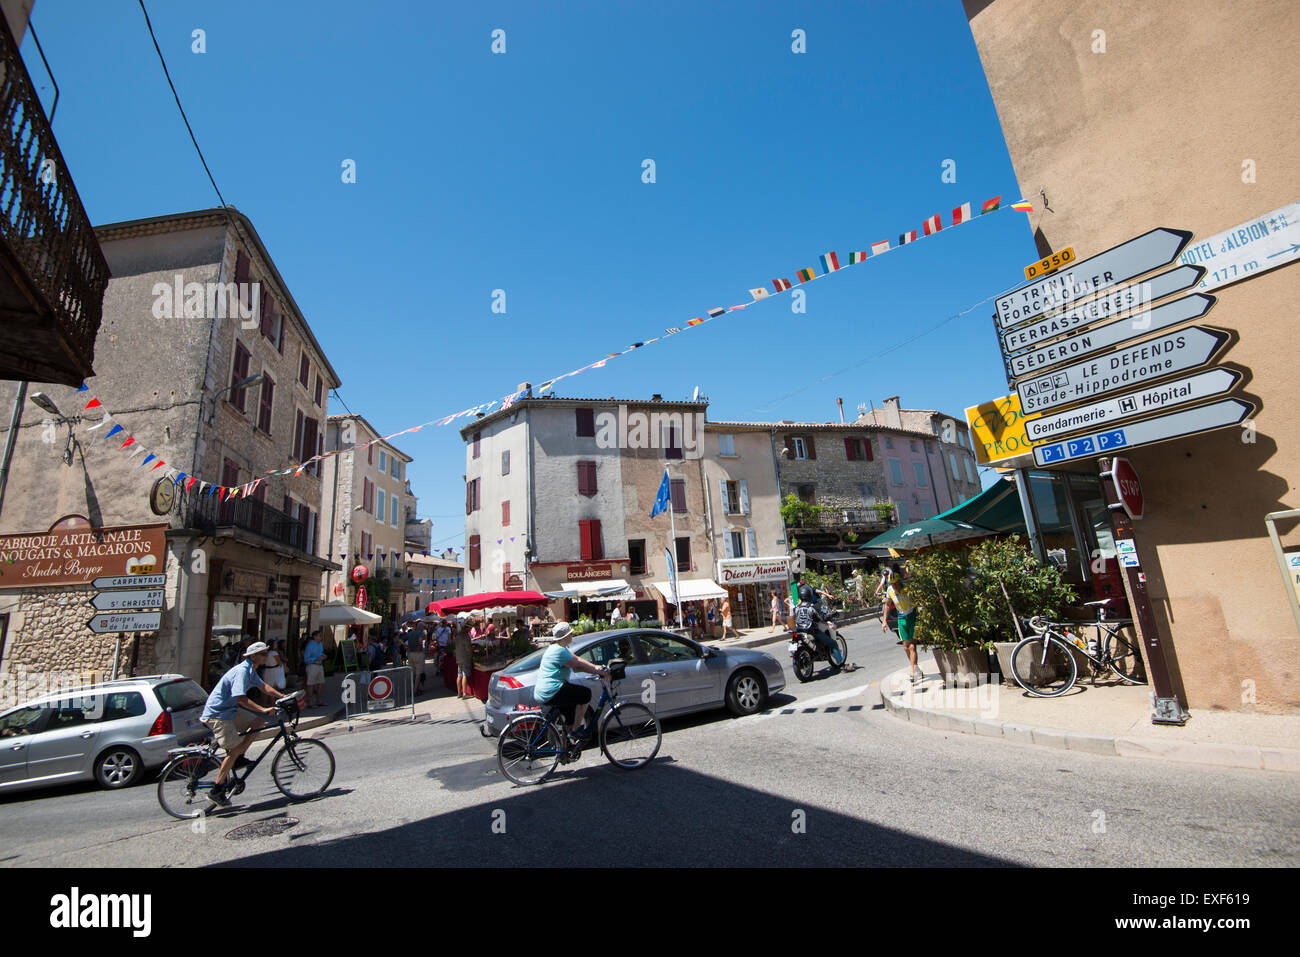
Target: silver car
x=684, y=675
x=110, y=733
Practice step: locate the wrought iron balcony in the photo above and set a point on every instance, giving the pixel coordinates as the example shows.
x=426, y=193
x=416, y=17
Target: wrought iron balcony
x=52, y=270
x=209, y=516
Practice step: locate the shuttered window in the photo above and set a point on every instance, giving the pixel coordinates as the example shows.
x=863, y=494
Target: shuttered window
x=505, y=514
x=238, y=373
x=586, y=478
x=304, y=369
x=267, y=399
x=473, y=553
x=678, y=488
x=586, y=423
x=589, y=540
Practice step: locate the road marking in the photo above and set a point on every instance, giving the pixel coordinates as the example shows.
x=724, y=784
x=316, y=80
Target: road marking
x=810, y=705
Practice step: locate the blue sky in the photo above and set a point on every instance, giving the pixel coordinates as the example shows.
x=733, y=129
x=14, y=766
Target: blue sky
x=522, y=171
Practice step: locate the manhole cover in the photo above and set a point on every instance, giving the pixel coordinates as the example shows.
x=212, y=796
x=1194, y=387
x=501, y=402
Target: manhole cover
x=261, y=828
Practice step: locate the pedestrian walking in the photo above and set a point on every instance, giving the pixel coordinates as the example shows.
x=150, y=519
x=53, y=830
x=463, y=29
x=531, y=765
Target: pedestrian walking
x=897, y=594
x=726, y=618
x=415, y=655
x=776, y=613
x=273, y=671
x=464, y=648
x=314, y=657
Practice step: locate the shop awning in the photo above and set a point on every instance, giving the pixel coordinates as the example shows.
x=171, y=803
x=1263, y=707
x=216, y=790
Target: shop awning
x=487, y=599
x=692, y=589
x=927, y=532
x=603, y=589
x=998, y=508
x=339, y=613
x=833, y=557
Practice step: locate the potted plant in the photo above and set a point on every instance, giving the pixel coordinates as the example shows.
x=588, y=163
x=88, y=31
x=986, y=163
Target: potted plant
x=1009, y=584
x=938, y=581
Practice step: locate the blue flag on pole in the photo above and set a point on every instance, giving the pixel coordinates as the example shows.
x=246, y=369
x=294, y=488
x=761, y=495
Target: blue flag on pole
x=661, y=499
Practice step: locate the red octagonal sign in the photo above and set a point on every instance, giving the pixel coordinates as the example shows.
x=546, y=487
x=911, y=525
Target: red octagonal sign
x=1127, y=487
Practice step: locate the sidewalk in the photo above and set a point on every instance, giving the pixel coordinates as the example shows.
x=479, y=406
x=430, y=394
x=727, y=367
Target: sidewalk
x=1108, y=719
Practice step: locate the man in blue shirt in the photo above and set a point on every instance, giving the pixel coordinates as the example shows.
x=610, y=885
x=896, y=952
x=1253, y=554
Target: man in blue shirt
x=229, y=695
x=553, y=676
x=313, y=657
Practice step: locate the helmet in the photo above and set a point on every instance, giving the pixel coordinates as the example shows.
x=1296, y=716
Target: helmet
x=807, y=594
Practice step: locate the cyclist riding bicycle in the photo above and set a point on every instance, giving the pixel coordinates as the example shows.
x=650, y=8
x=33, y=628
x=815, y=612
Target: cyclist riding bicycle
x=553, y=686
x=227, y=697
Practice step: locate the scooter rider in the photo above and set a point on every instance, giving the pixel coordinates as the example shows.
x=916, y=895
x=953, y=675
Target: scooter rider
x=811, y=619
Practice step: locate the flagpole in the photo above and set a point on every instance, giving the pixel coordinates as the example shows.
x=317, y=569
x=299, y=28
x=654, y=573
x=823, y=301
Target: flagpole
x=672, y=524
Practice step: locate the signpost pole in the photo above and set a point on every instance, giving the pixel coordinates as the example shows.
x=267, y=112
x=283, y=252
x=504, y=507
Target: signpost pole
x=1169, y=709
x=1031, y=516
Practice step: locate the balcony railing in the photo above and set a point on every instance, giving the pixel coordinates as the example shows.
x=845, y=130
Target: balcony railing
x=208, y=515
x=866, y=518
x=55, y=270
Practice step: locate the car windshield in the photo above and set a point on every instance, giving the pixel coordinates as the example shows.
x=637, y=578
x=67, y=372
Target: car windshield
x=181, y=695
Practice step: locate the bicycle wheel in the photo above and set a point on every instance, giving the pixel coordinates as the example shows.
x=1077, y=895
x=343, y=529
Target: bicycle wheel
x=303, y=768
x=185, y=783
x=630, y=735
x=1124, y=660
x=529, y=749
x=1042, y=669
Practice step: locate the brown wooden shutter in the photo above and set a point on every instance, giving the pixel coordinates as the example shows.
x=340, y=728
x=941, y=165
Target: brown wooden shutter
x=476, y=491
x=849, y=449
x=505, y=514
x=584, y=539
x=586, y=419
x=241, y=266
x=812, y=447
x=473, y=553
x=677, y=488
x=789, y=447
x=867, y=444
x=266, y=313
x=469, y=496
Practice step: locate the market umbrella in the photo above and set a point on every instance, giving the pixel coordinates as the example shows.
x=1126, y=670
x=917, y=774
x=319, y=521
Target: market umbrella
x=487, y=599
x=341, y=613
x=930, y=531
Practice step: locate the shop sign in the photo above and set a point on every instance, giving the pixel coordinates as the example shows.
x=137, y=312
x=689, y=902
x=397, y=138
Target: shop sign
x=73, y=552
x=514, y=583
x=582, y=573
x=246, y=582
x=747, y=571
x=998, y=430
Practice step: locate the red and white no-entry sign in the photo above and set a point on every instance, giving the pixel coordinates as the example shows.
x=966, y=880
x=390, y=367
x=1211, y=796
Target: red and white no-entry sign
x=1127, y=487
x=379, y=688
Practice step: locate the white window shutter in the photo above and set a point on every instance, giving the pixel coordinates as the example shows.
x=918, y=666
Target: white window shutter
x=722, y=496
x=751, y=540
x=726, y=541
x=744, y=498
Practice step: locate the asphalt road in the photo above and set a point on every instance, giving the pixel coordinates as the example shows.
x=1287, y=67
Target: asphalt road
x=838, y=781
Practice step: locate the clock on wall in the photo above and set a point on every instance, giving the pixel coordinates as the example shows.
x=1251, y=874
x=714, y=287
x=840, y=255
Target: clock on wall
x=162, y=496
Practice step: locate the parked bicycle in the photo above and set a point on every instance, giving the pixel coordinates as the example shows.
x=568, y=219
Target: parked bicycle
x=303, y=767
x=535, y=742
x=1043, y=664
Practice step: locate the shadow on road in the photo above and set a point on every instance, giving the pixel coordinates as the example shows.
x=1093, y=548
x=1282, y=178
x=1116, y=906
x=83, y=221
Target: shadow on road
x=663, y=815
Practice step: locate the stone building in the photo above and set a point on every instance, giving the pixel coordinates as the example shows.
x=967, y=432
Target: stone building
x=214, y=396
x=433, y=578
x=365, y=512
x=949, y=455
x=1120, y=118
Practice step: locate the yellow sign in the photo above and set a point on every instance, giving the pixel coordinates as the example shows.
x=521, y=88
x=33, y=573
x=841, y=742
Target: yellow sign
x=998, y=430
x=1050, y=263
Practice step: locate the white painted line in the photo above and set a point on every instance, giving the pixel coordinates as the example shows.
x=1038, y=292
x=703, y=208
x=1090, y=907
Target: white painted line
x=798, y=706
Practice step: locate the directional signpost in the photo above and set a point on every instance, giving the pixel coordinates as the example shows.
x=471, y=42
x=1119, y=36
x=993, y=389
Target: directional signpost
x=128, y=600
x=1202, y=385
x=138, y=621
x=1111, y=334
x=1175, y=425
x=1156, y=358
x=1151, y=250
x=130, y=581
x=1255, y=246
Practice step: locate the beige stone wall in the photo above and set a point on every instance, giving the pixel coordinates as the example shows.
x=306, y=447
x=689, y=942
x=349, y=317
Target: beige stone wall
x=1154, y=132
x=753, y=462
x=837, y=479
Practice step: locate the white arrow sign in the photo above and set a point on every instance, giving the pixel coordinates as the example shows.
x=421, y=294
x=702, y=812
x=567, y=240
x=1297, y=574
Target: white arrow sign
x=1255, y=246
x=130, y=581
x=1133, y=365
x=140, y=621
x=1126, y=261
x=1203, y=385
x=125, y=600
x=1175, y=425
x=1140, y=295
x=1111, y=334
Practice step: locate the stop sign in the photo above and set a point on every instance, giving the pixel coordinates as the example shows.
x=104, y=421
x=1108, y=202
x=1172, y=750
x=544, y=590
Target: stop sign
x=1127, y=487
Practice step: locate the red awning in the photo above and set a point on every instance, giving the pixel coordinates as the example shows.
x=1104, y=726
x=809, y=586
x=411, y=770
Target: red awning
x=487, y=599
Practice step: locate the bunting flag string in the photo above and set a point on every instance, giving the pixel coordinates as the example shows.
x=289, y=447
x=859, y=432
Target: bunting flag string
x=829, y=262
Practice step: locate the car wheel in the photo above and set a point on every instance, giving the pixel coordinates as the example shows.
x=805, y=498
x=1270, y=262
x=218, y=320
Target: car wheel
x=746, y=693
x=118, y=768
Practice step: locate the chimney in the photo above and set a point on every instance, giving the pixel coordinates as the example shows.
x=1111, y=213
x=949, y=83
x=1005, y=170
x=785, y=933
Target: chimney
x=892, y=417
x=840, y=403
x=526, y=388
x=656, y=397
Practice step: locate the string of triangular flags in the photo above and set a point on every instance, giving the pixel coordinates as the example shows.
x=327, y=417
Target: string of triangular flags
x=829, y=263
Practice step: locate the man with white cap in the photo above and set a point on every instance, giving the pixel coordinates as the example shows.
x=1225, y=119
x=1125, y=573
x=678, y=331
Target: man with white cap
x=553, y=678
x=227, y=697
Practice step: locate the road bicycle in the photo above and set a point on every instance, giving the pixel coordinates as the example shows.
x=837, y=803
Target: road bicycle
x=1044, y=665
x=534, y=742
x=303, y=768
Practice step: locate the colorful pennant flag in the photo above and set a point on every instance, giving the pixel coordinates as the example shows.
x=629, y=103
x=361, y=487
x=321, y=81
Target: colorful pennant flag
x=129, y=440
x=759, y=293
x=830, y=263
x=92, y=404
x=990, y=205
x=715, y=312
x=932, y=225
x=905, y=238
x=107, y=418
x=781, y=285
x=805, y=275
x=961, y=214
x=672, y=331
x=694, y=322
x=855, y=258
x=880, y=247
x=83, y=388
x=221, y=494
x=146, y=460
x=179, y=479
x=1023, y=207
x=160, y=464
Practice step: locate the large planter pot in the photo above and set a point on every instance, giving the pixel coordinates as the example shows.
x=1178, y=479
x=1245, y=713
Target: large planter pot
x=962, y=669
x=1003, y=651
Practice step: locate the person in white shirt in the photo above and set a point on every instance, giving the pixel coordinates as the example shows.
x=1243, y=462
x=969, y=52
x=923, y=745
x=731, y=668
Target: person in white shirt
x=614, y=616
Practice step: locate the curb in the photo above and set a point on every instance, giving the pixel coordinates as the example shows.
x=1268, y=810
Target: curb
x=1186, y=752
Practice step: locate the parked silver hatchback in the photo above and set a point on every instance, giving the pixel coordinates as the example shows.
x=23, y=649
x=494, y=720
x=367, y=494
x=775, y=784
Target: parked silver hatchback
x=111, y=733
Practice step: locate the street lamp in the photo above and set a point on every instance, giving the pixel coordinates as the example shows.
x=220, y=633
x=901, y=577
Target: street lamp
x=242, y=383
x=46, y=404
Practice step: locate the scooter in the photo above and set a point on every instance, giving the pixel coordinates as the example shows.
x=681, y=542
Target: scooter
x=806, y=650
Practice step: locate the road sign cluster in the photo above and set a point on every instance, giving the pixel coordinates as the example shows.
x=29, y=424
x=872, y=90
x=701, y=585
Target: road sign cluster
x=124, y=599
x=1078, y=361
